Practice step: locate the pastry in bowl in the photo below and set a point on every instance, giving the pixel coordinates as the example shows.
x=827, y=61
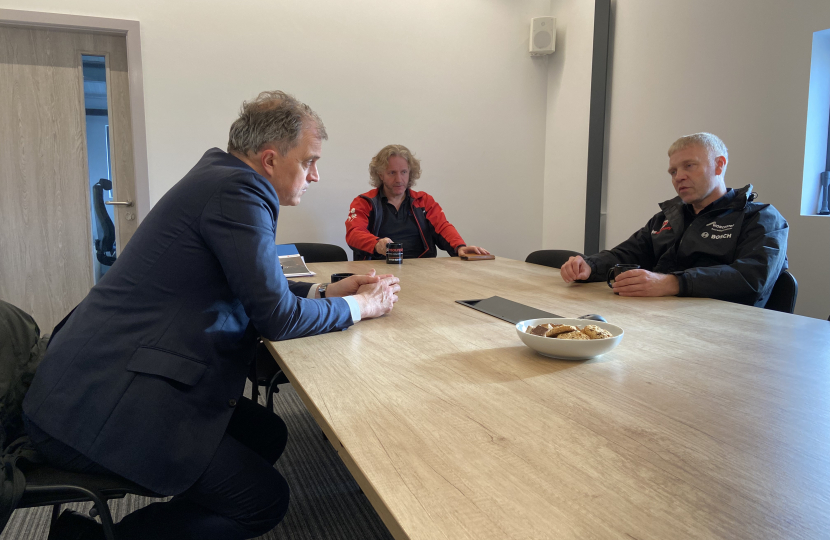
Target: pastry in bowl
x=569, y=339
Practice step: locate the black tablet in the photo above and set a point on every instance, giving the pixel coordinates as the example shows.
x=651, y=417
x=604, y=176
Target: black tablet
x=507, y=310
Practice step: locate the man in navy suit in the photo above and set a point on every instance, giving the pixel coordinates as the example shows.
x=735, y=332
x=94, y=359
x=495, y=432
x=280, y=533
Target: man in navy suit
x=145, y=379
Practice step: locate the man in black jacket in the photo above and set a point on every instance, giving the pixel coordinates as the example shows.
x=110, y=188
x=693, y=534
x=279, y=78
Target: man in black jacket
x=710, y=241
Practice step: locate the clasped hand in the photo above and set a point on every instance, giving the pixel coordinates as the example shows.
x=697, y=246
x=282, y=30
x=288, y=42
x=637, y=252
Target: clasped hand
x=375, y=294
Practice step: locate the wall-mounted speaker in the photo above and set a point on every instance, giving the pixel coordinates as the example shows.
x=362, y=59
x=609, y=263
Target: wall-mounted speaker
x=542, y=35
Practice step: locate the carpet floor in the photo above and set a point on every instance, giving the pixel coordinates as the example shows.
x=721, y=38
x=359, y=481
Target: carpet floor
x=326, y=502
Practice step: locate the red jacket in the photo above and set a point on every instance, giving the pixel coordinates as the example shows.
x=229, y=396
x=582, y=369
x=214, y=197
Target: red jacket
x=366, y=217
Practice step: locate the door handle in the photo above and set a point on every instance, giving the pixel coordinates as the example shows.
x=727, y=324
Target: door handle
x=119, y=203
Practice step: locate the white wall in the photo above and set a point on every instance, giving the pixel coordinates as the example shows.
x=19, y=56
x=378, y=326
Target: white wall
x=451, y=80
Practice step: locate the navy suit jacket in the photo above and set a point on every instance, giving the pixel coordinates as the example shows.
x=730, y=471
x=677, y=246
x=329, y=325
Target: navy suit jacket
x=144, y=376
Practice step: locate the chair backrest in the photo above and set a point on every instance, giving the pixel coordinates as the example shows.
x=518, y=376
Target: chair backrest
x=105, y=246
x=314, y=253
x=784, y=293
x=554, y=258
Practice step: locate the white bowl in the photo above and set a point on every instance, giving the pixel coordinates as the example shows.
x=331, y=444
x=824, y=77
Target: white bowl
x=570, y=349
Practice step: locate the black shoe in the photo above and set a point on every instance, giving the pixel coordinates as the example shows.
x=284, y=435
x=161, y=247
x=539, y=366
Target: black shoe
x=72, y=525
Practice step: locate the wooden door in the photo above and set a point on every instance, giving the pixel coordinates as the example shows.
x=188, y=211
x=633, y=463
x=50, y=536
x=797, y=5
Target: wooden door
x=46, y=248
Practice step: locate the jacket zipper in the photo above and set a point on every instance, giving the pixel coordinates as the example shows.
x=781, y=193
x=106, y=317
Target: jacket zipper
x=421, y=231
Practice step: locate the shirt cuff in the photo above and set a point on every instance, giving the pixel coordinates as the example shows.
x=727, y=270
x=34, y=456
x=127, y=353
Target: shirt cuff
x=353, y=307
x=312, y=292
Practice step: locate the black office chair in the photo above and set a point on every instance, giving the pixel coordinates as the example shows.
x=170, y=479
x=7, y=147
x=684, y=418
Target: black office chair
x=42, y=485
x=315, y=253
x=554, y=258
x=784, y=293
x=266, y=372
x=48, y=486
x=104, y=246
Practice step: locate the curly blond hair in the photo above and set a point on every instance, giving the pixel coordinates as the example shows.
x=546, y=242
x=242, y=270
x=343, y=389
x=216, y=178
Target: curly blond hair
x=380, y=162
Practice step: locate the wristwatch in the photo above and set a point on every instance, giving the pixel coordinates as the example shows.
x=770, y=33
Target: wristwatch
x=322, y=289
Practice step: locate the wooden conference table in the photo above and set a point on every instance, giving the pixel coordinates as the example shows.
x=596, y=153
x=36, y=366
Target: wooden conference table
x=709, y=420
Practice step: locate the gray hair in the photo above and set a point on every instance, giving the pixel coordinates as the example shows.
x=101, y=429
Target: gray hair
x=274, y=117
x=712, y=143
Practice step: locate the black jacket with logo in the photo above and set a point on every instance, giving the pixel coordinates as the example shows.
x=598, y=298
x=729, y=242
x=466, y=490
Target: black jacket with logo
x=733, y=250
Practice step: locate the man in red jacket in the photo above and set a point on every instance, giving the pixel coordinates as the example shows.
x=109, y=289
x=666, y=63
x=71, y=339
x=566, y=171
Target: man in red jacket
x=393, y=212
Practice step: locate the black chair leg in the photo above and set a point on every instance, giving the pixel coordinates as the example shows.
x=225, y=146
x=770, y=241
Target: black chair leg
x=99, y=508
x=254, y=383
x=270, y=389
x=106, y=522
x=56, y=511
x=102, y=509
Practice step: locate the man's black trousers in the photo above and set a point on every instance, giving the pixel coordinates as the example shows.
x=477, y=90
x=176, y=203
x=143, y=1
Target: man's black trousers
x=240, y=495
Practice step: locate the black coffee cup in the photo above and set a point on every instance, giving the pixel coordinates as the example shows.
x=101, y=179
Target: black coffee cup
x=617, y=270
x=394, y=253
x=337, y=277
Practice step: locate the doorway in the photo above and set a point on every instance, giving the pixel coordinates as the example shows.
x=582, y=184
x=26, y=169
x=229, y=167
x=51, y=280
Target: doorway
x=47, y=230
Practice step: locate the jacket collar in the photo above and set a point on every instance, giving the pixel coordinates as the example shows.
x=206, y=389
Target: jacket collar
x=377, y=193
x=735, y=199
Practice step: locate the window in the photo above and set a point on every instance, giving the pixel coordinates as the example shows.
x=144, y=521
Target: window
x=815, y=199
